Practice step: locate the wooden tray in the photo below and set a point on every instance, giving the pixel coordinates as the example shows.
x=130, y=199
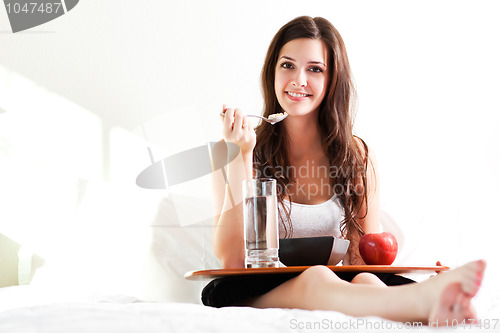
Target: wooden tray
x=217, y=273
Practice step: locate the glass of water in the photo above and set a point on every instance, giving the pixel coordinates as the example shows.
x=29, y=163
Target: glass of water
x=260, y=216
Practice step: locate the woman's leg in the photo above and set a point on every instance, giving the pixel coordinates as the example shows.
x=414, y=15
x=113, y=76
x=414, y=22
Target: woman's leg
x=369, y=279
x=318, y=288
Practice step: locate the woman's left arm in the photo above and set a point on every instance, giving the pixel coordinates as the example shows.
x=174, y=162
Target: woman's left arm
x=369, y=214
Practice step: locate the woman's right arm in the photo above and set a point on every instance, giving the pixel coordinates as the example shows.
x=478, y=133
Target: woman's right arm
x=228, y=242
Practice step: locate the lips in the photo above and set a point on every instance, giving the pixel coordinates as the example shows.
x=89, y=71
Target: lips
x=297, y=96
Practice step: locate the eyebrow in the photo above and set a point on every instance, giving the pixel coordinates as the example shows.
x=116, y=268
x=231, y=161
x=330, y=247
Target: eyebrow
x=310, y=62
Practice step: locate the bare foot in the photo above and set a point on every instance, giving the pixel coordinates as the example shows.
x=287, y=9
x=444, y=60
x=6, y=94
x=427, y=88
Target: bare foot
x=453, y=307
x=449, y=293
x=469, y=276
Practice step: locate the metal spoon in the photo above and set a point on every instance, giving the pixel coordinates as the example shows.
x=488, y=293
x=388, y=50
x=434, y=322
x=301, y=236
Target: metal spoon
x=277, y=117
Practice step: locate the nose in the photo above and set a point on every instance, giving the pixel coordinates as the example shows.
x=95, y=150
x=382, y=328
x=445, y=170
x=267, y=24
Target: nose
x=299, y=80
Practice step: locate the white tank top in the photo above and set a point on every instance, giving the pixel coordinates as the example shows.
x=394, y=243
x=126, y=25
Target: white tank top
x=314, y=220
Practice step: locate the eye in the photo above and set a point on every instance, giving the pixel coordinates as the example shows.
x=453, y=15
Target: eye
x=287, y=65
x=316, y=69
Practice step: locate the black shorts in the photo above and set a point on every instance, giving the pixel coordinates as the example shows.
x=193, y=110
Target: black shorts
x=234, y=290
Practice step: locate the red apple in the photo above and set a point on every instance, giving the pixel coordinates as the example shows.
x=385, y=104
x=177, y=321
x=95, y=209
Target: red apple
x=378, y=248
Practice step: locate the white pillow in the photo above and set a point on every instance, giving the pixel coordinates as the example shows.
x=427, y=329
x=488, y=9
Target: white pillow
x=102, y=248
x=117, y=244
x=181, y=241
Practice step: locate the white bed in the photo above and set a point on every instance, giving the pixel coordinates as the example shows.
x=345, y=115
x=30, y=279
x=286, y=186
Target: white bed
x=130, y=280
x=127, y=314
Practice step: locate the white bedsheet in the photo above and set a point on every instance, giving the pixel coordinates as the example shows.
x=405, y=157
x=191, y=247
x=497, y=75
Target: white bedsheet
x=23, y=310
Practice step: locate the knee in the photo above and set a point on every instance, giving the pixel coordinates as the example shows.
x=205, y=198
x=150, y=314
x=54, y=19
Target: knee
x=316, y=277
x=368, y=278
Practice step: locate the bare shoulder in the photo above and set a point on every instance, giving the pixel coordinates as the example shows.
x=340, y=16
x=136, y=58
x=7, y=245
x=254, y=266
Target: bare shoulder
x=364, y=149
x=369, y=219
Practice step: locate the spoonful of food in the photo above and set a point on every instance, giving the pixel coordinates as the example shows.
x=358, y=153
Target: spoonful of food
x=272, y=119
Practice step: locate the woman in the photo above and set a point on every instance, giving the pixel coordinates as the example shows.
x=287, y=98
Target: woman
x=306, y=74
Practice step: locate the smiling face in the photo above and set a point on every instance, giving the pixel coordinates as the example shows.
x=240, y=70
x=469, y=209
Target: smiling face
x=301, y=76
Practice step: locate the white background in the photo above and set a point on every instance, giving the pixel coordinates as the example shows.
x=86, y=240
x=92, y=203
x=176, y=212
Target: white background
x=82, y=91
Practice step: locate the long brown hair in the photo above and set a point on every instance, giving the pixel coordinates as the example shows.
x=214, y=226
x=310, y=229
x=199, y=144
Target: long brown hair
x=335, y=119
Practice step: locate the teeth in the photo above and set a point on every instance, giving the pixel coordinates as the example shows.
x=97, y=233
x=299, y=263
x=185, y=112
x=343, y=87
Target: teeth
x=296, y=94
